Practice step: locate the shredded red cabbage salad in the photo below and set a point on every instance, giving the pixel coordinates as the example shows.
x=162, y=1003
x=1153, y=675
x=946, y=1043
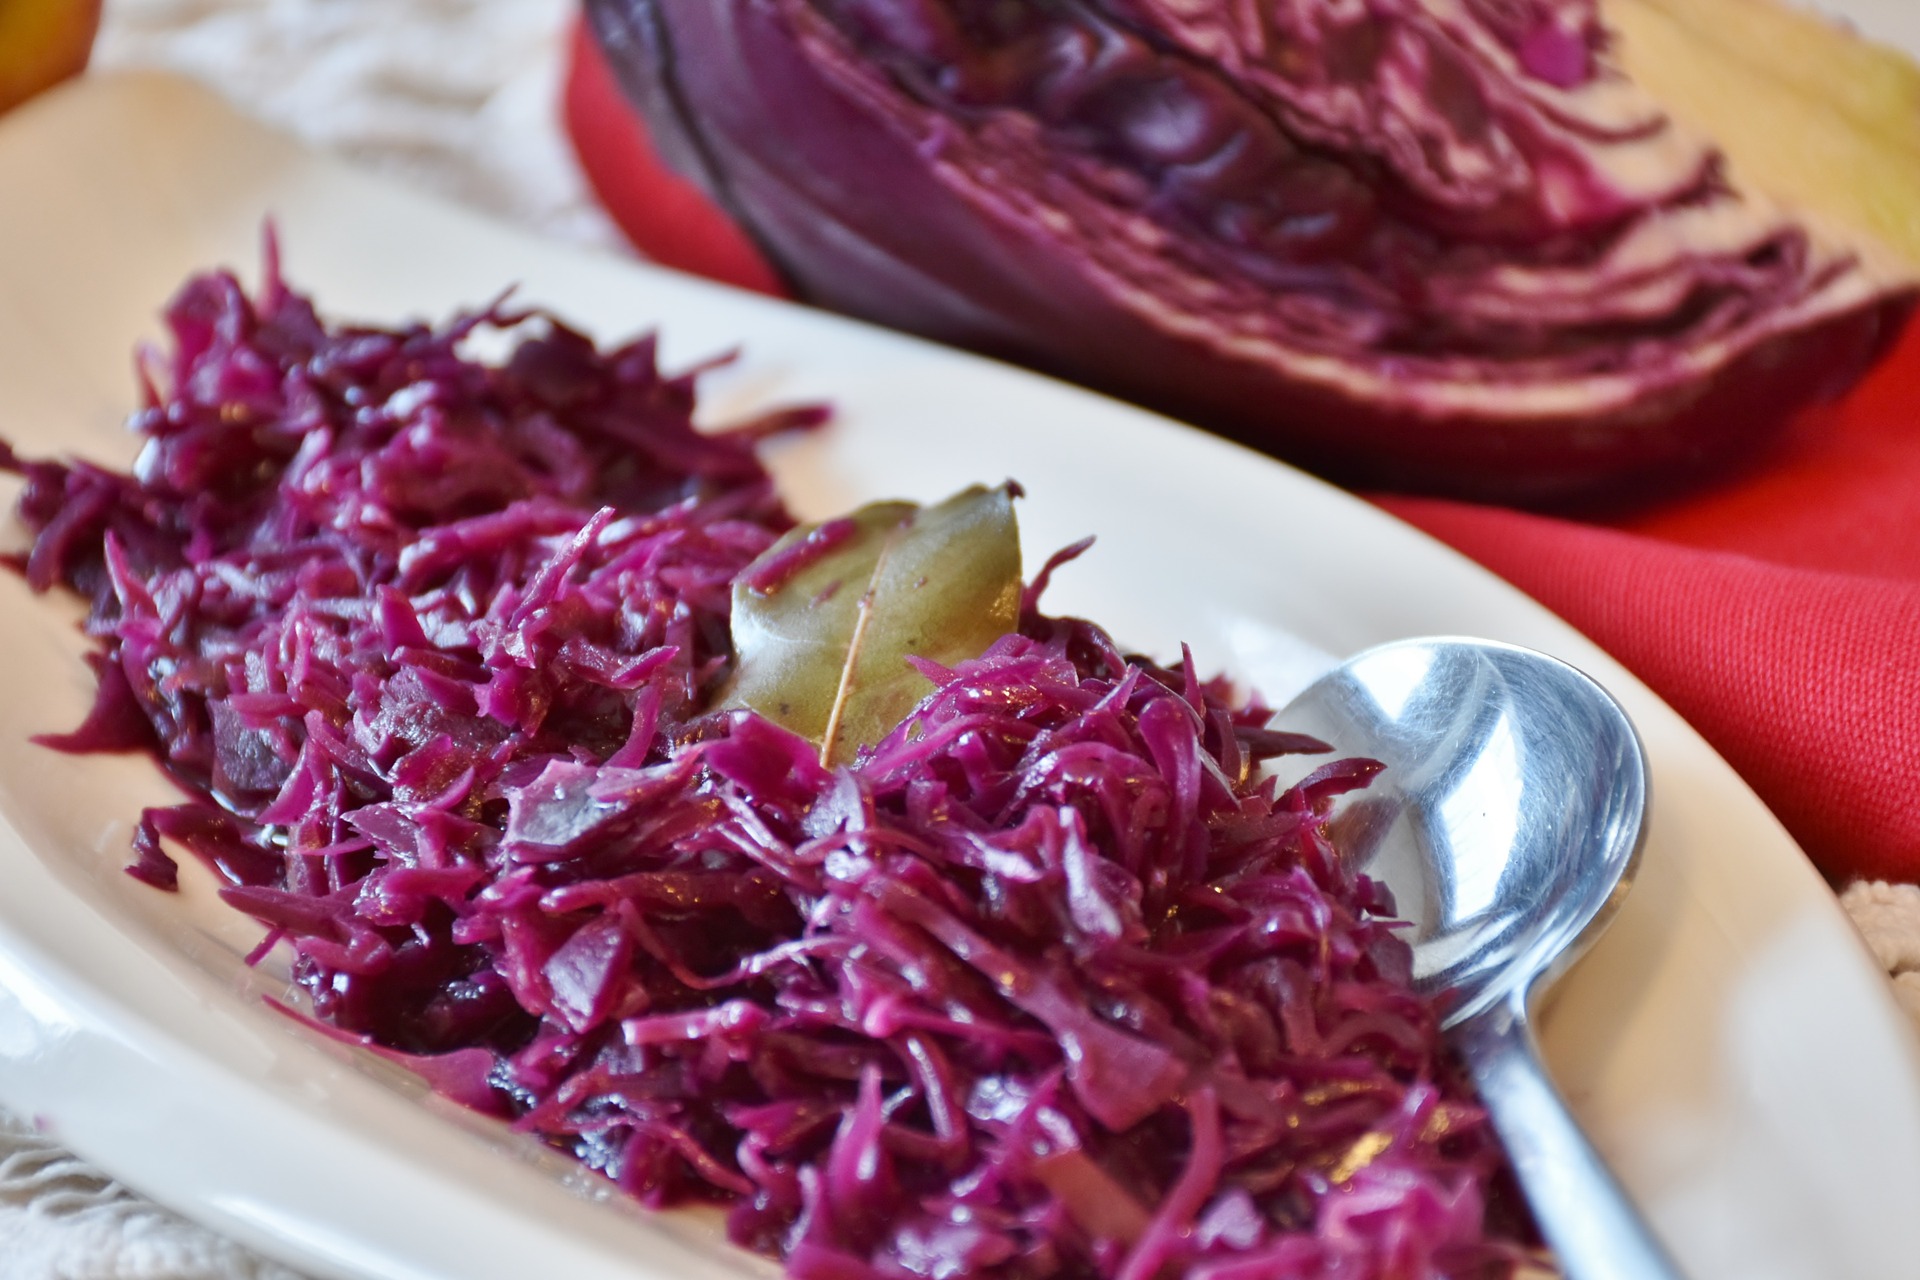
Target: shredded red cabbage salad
x=1048, y=984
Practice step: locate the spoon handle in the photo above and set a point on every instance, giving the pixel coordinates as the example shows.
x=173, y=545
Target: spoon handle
x=1594, y=1229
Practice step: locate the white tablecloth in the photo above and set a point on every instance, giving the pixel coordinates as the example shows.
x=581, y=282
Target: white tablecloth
x=459, y=96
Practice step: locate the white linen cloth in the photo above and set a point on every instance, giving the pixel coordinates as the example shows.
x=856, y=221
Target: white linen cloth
x=459, y=96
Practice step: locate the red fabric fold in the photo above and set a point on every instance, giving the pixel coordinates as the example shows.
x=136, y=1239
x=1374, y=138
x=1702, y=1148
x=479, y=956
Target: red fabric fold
x=664, y=215
x=1807, y=681
x=1778, y=610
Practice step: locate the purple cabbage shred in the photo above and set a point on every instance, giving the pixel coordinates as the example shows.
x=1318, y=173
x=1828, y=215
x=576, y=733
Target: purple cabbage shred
x=1050, y=983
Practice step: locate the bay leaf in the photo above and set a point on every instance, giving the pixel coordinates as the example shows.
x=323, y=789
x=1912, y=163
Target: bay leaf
x=822, y=648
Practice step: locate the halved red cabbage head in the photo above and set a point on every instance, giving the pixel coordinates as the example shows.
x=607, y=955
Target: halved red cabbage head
x=1446, y=245
x=1046, y=984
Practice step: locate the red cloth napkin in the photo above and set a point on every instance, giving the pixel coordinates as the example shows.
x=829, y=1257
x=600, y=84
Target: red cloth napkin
x=1778, y=611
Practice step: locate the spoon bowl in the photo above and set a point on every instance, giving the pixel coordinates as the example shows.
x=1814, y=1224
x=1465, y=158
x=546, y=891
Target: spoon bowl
x=1507, y=823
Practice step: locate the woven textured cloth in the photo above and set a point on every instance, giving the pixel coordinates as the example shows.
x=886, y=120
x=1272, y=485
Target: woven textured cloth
x=60, y=1220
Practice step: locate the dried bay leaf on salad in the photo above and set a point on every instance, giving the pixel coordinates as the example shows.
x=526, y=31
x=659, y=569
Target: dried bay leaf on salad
x=822, y=649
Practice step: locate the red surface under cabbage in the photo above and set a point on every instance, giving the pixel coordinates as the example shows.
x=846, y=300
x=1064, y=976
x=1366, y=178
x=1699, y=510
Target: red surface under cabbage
x=1047, y=984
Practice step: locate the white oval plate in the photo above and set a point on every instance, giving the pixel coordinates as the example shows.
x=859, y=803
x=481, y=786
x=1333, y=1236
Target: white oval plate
x=1729, y=1043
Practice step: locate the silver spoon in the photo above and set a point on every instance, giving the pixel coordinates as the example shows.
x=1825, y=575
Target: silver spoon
x=1507, y=823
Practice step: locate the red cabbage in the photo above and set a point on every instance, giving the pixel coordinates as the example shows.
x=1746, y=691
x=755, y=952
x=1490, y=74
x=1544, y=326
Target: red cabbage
x=1445, y=245
x=1049, y=983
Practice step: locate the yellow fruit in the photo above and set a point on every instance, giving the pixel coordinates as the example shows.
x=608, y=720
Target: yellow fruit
x=42, y=42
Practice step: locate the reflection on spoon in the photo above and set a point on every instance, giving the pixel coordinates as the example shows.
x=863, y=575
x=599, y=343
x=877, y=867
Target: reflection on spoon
x=1507, y=822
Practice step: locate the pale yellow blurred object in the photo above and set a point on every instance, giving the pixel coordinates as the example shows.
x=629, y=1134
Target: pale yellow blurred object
x=1805, y=109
